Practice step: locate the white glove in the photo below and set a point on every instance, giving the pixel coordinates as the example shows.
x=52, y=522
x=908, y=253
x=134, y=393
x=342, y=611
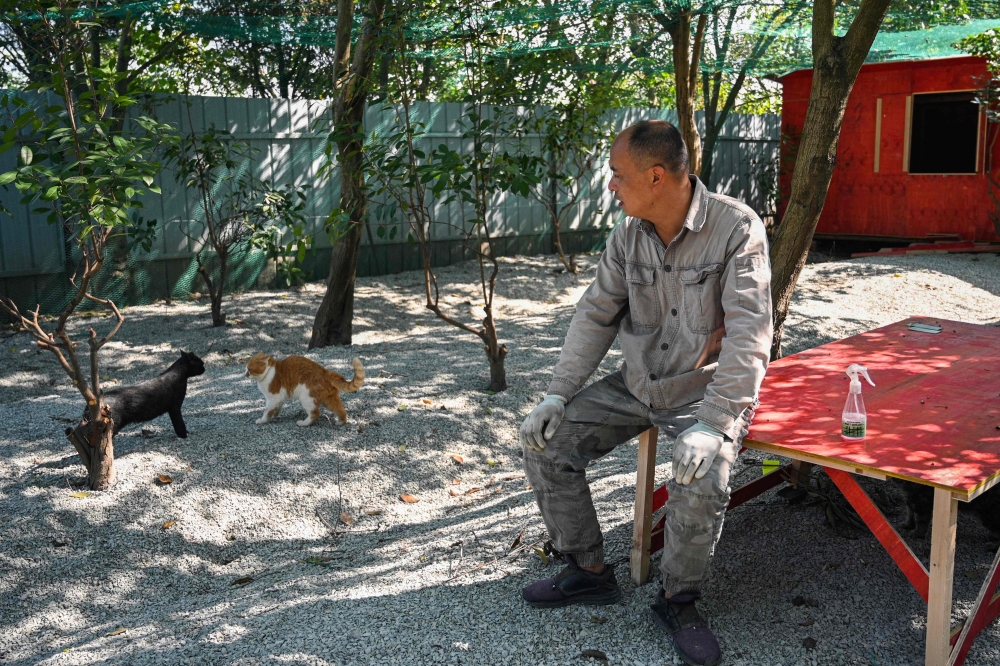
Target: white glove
x=694, y=451
x=546, y=416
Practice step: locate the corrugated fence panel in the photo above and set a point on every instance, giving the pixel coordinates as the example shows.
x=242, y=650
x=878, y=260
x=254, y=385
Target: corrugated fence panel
x=288, y=139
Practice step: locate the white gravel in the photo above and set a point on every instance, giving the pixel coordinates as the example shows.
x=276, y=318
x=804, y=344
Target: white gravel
x=260, y=501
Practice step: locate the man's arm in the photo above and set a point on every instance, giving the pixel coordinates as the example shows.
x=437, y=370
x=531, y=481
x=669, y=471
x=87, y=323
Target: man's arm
x=595, y=323
x=746, y=348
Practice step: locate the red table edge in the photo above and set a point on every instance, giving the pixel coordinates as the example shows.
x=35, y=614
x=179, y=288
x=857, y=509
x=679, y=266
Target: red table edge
x=961, y=494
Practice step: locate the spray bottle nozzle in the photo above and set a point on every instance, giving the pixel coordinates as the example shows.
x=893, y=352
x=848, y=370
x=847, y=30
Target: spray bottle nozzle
x=852, y=371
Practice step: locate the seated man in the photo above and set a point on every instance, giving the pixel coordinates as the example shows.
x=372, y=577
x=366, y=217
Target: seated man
x=685, y=285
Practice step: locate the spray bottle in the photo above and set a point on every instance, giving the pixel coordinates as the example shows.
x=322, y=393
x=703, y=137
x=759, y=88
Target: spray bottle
x=854, y=421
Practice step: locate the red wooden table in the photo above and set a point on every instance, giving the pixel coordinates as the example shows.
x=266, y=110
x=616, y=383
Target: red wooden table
x=933, y=418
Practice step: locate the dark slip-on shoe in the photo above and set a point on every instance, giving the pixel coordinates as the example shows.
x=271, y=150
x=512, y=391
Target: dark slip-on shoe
x=572, y=586
x=693, y=640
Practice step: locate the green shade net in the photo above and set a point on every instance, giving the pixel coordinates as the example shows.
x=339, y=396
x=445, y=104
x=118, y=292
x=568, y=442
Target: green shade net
x=522, y=29
x=517, y=29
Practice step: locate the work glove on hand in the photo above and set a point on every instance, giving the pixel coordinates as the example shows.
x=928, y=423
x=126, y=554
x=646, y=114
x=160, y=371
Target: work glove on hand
x=542, y=422
x=694, y=451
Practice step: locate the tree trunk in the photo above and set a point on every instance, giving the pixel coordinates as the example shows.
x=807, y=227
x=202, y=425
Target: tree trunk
x=836, y=62
x=498, y=376
x=334, y=319
x=94, y=441
x=686, y=64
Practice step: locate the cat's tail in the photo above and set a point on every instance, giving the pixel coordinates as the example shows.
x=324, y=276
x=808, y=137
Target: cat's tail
x=350, y=386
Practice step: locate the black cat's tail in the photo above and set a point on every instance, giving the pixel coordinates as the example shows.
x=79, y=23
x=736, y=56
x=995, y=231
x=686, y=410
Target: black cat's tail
x=349, y=386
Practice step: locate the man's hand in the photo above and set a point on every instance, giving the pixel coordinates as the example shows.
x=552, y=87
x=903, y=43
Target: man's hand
x=542, y=422
x=694, y=451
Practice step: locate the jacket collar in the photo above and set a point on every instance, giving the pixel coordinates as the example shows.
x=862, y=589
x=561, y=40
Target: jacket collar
x=695, y=218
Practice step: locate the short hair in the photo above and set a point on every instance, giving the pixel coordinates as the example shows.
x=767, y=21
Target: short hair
x=652, y=142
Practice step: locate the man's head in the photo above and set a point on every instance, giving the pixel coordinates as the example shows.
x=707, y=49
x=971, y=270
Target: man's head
x=649, y=166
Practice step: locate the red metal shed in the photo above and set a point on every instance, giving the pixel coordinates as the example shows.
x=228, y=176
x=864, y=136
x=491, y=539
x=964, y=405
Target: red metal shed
x=913, y=152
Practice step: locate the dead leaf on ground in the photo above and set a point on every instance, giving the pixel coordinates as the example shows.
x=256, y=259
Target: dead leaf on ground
x=315, y=560
x=167, y=525
x=409, y=499
x=372, y=511
x=164, y=479
x=541, y=554
x=80, y=495
x=472, y=490
x=809, y=643
x=598, y=620
x=427, y=402
x=455, y=482
x=454, y=492
x=347, y=519
x=807, y=623
x=116, y=632
x=805, y=601
x=517, y=541
x=458, y=459
x=242, y=581
x=594, y=654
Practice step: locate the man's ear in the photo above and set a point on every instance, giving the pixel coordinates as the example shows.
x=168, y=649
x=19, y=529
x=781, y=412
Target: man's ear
x=659, y=175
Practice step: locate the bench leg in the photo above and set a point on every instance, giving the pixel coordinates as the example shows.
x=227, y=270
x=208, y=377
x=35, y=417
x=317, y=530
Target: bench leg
x=943, y=527
x=799, y=475
x=643, y=528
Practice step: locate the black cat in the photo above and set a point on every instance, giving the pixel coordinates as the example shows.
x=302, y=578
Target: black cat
x=920, y=507
x=154, y=397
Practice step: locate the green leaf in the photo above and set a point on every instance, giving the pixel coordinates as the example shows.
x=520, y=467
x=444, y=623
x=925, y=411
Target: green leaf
x=26, y=155
x=148, y=180
x=7, y=177
x=380, y=232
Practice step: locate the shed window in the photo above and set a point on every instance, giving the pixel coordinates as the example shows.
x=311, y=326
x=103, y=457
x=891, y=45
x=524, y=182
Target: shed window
x=944, y=134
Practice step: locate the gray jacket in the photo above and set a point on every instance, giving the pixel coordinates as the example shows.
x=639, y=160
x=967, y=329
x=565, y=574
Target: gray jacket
x=693, y=317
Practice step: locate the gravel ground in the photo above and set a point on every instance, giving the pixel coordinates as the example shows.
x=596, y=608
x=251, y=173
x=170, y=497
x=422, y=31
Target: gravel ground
x=255, y=567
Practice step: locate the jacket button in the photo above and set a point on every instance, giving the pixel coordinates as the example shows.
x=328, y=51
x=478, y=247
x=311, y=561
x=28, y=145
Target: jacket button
x=673, y=312
x=652, y=376
x=664, y=346
x=667, y=268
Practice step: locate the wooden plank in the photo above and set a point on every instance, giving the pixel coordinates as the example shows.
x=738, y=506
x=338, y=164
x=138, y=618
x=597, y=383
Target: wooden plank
x=943, y=529
x=878, y=132
x=930, y=419
x=907, y=122
x=643, y=528
x=898, y=550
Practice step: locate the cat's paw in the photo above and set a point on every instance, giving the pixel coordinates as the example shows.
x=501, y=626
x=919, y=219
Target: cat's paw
x=305, y=422
x=262, y=420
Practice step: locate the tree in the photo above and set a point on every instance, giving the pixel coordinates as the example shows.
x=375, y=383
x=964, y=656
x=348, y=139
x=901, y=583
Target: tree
x=987, y=45
x=732, y=53
x=836, y=62
x=334, y=319
x=412, y=180
x=80, y=169
x=110, y=35
x=573, y=137
x=237, y=208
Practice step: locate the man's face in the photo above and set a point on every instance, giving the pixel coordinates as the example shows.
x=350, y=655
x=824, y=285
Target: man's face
x=633, y=187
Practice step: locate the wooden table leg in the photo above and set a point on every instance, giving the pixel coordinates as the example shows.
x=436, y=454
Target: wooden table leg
x=800, y=473
x=943, y=526
x=643, y=528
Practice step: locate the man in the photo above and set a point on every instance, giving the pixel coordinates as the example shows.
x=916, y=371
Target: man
x=685, y=285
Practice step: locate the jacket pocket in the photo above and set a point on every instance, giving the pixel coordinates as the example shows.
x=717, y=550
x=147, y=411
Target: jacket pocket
x=753, y=283
x=702, y=294
x=643, y=299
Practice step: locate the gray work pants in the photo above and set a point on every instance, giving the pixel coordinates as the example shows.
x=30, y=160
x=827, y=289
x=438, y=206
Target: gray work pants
x=599, y=418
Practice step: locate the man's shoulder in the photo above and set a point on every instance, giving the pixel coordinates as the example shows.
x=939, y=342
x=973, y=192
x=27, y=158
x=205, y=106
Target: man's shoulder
x=726, y=205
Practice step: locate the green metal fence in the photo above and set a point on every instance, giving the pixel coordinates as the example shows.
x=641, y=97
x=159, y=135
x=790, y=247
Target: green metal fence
x=288, y=136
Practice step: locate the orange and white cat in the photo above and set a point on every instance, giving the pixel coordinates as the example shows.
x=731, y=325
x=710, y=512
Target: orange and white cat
x=304, y=380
